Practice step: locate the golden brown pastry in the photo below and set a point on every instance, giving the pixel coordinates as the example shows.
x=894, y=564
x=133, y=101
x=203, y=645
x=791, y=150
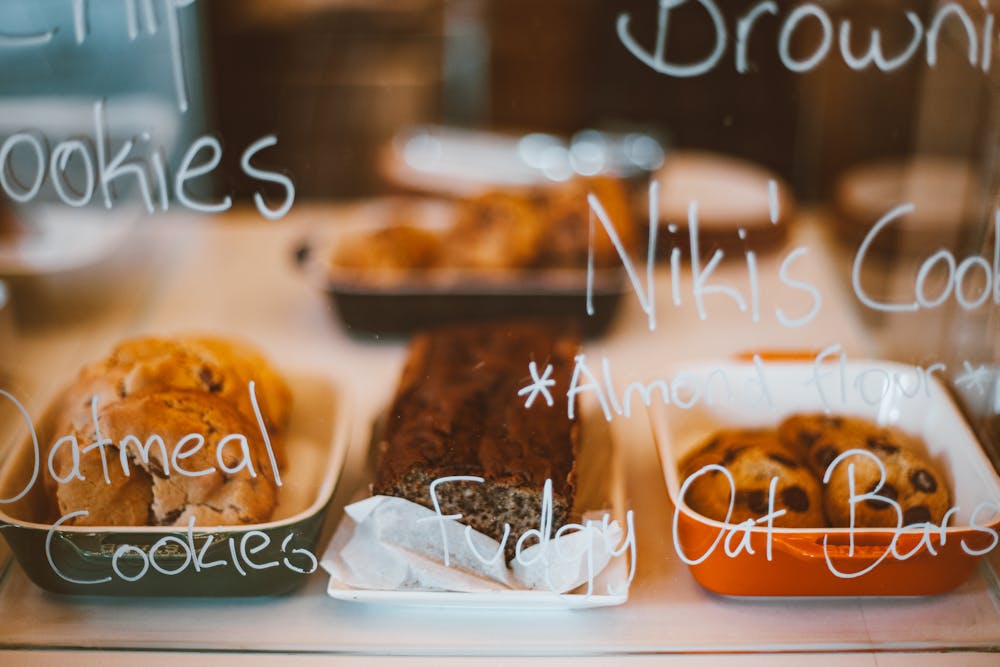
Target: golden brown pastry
x=241, y=364
x=200, y=432
x=910, y=480
x=799, y=453
x=151, y=385
x=504, y=229
x=395, y=247
x=151, y=364
x=566, y=211
x=498, y=230
x=753, y=458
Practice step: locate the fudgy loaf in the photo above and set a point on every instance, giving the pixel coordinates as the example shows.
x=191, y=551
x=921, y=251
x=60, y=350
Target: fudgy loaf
x=457, y=412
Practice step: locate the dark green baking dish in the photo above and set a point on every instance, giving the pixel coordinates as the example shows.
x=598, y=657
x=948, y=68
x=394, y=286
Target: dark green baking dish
x=265, y=559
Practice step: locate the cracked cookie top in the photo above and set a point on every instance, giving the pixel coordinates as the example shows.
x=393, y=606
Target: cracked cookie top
x=169, y=456
x=150, y=364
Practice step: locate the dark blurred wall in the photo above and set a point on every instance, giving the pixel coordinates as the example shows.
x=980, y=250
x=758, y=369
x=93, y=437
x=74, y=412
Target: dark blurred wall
x=563, y=67
x=333, y=80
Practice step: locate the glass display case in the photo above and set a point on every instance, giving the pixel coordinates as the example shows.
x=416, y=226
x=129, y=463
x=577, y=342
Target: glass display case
x=468, y=330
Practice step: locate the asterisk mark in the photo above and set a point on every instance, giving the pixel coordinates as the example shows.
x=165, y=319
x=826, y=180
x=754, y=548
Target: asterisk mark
x=538, y=385
x=977, y=378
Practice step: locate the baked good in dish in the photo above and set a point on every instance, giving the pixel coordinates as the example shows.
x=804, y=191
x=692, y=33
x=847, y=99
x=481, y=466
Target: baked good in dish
x=242, y=363
x=909, y=479
x=753, y=458
x=540, y=227
x=457, y=412
x=155, y=491
x=151, y=364
x=798, y=453
x=192, y=394
x=399, y=246
x=10, y=229
x=567, y=214
x=818, y=437
x=945, y=193
x=505, y=229
x=496, y=230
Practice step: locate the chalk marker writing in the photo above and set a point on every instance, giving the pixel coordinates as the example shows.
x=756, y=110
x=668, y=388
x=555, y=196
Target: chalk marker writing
x=547, y=546
x=812, y=20
x=972, y=282
x=173, y=554
x=111, y=168
x=702, y=282
x=232, y=453
x=736, y=538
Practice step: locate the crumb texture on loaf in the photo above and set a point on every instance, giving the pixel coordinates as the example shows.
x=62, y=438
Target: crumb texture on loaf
x=457, y=412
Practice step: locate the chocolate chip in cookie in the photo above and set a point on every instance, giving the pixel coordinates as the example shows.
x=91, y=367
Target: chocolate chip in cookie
x=887, y=490
x=795, y=498
x=881, y=444
x=923, y=481
x=916, y=514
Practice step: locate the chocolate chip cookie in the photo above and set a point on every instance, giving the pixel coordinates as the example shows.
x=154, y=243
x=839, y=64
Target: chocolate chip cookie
x=909, y=480
x=753, y=458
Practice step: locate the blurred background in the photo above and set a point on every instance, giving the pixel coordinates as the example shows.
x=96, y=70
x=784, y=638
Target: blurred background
x=370, y=97
x=336, y=79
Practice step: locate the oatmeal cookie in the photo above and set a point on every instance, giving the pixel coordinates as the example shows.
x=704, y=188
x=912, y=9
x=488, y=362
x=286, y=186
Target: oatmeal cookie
x=152, y=488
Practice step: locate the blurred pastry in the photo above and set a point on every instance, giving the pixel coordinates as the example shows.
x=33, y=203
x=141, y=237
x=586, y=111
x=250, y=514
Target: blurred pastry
x=511, y=229
x=567, y=215
x=152, y=364
x=394, y=247
x=497, y=230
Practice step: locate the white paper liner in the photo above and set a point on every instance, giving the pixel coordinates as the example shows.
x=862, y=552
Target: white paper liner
x=387, y=543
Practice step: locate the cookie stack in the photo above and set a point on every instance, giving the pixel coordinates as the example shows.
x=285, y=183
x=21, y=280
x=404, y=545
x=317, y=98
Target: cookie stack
x=885, y=463
x=544, y=227
x=753, y=458
x=885, y=455
x=184, y=437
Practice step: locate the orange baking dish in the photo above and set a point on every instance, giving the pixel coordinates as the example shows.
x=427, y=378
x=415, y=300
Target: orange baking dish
x=753, y=561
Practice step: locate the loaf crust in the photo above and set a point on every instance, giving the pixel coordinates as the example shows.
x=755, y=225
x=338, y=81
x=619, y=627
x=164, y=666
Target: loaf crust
x=457, y=412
